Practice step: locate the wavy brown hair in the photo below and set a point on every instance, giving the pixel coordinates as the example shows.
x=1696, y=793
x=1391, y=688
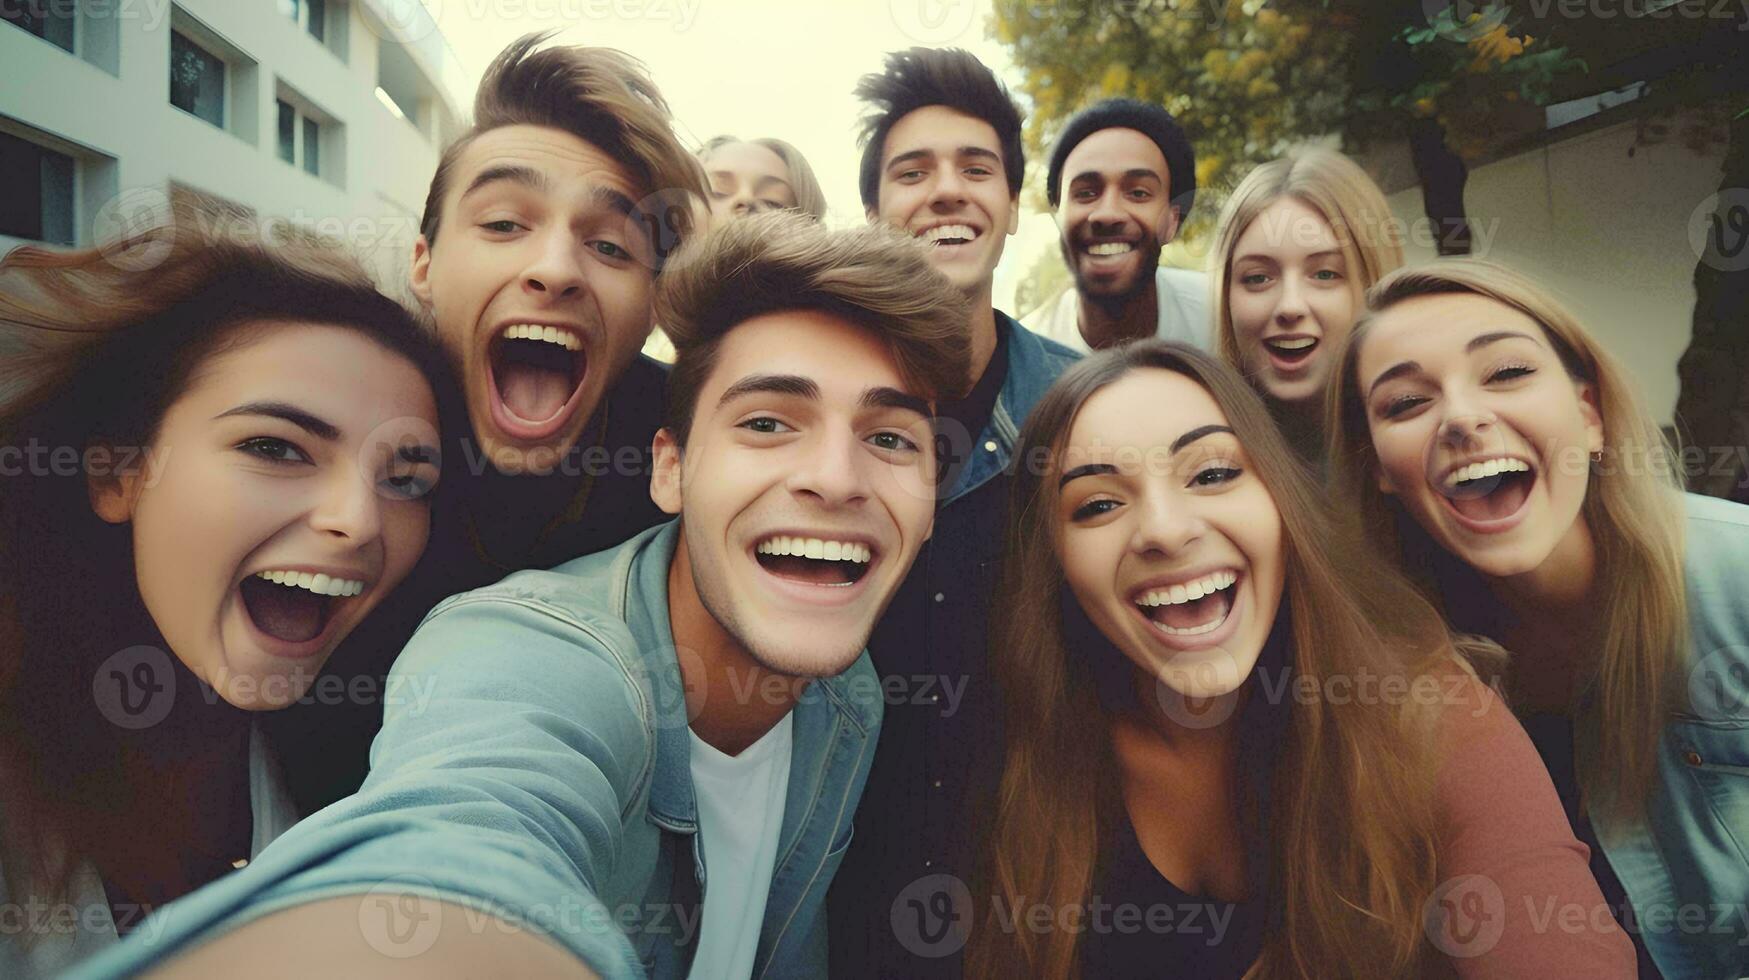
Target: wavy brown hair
x=1350, y=811
x=1634, y=514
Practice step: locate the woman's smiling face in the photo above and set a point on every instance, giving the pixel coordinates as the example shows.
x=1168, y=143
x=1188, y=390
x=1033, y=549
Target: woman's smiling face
x=1478, y=429
x=1170, y=543
x=285, y=498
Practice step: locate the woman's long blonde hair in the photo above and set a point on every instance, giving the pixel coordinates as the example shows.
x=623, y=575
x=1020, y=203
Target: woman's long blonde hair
x=1333, y=185
x=1351, y=840
x=1632, y=509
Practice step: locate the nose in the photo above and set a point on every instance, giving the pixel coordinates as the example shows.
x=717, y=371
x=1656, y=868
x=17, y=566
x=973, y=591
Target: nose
x=948, y=191
x=830, y=473
x=555, y=271
x=349, y=507
x=1107, y=218
x=1167, y=525
x=1290, y=305
x=1466, y=421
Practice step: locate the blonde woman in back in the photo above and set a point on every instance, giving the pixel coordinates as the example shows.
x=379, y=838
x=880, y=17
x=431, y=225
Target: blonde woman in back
x=1494, y=450
x=1299, y=242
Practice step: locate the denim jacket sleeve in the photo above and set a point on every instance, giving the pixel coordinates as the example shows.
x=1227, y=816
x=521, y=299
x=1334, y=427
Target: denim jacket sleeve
x=514, y=743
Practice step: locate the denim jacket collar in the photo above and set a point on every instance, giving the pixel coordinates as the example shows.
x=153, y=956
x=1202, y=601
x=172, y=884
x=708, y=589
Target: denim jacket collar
x=1033, y=363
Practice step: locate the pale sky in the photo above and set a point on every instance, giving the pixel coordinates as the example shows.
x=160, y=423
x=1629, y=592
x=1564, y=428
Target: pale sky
x=782, y=68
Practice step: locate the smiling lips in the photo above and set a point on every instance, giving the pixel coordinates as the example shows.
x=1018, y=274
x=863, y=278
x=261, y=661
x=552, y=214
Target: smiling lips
x=1190, y=608
x=814, y=561
x=536, y=373
x=292, y=606
x=940, y=235
x=1488, y=495
x=1289, y=352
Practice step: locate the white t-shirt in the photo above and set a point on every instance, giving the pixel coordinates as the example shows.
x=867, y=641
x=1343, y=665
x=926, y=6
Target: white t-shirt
x=740, y=813
x=1184, y=312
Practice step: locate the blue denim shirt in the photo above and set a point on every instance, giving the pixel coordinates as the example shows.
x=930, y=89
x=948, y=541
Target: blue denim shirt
x=1033, y=363
x=1686, y=868
x=533, y=764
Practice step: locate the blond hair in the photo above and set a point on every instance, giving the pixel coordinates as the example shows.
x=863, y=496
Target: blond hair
x=1331, y=184
x=1633, y=512
x=810, y=199
x=871, y=276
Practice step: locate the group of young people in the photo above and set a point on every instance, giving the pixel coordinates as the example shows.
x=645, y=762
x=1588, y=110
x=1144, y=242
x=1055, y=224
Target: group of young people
x=1314, y=617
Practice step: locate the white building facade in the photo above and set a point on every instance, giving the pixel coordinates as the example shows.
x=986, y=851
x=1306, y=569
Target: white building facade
x=329, y=113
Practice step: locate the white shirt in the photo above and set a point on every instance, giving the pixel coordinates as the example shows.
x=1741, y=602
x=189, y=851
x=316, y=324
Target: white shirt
x=1184, y=312
x=740, y=814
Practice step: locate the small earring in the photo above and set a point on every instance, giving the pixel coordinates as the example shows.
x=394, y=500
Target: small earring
x=1597, y=455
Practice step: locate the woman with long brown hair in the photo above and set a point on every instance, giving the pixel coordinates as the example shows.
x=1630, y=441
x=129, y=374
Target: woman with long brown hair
x=1488, y=446
x=220, y=445
x=1217, y=708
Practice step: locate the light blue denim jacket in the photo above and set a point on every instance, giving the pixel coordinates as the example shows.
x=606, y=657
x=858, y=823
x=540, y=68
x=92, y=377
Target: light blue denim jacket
x=1686, y=868
x=535, y=765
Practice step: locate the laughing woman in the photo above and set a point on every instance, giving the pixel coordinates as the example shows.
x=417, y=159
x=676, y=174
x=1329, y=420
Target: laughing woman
x=220, y=462
x=1299, y=243
x=1503, y=458
x=1235, y=749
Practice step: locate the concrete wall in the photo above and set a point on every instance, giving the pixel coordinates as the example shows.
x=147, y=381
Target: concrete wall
x=1607, y=232
x=108, y=105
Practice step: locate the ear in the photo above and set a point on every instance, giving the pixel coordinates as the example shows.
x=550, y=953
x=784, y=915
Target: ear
x=665, y=475
x=874, y=217
x=1014, y=214
x=419, y=275
x=113, y=490
x=1169, y=223
x=1592, y=412
x=1386, y=487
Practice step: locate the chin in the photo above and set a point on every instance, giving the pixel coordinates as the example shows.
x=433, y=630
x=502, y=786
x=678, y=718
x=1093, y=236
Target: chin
x=793, y=661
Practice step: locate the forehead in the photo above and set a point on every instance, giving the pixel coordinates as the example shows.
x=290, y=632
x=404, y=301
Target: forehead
x=839, y=356
x=1112, y=152
x=1287, y=226
x=749, y=158
x=939, y=130
x=1145, y=408
x=1431, y=329
x=337, y=371
x=568, y=162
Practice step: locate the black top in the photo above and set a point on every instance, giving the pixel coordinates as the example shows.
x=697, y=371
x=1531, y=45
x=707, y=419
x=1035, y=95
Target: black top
x=940, y=747
x=1141, y=925
x=1553, y=737
x=488, y=526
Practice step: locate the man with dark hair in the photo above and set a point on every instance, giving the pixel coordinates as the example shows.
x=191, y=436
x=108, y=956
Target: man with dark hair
x=597, y=735
x=941, y=160
x=1122, y=180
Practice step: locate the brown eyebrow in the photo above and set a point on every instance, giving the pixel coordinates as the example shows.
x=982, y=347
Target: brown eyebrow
x=286, y=412
x=889, y=397
x=1195, y=434
x=1134, y=173
x=1476, y=343
x=1106, y=469
x=1090, y=469
x=970, y=151
x=770, y=384
x=509, y=173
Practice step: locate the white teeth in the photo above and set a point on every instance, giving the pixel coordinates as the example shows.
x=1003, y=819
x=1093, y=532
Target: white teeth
x=317, y=583
x=1187, y=591
x=1487, y=467
x=1190, y=630
x=816, y=548
x=1110, y=248
x=942, y=232
x=1295, y=343
x=552, y=335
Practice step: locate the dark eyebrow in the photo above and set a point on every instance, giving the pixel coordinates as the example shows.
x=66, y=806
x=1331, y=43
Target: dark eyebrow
x=1090, y=469
x=613, y=200
x=885, y=397
x=1195, y=434
x=510, y=172
x=770, y=384
x=1394, y=371
x=289, y=413
x=908, y=156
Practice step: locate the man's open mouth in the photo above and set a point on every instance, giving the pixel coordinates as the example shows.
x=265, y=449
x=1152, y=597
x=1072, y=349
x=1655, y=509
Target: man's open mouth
x=1290, y=351
x=1190, y=608
x=1488, y=490
x=537, y=370
x=814, y=561
x=947, y=234
x=1100, y=250
x=294, y=606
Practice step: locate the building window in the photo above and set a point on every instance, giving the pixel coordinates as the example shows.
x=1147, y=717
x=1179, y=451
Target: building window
x=36, y=192
x=197, y=80
x=53, y=22
x=312, y=147
x=303, y=129
x=311, y=15
x=288, y=132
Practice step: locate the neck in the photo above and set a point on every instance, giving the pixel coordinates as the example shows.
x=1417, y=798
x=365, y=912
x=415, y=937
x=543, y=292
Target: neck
x=1109, y=323
x=1178, y=729
x=731, y=698
x=983, y=326
x=1560, y=589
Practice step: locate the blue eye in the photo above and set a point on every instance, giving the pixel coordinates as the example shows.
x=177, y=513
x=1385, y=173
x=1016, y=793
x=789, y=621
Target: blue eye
x=273, y=450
